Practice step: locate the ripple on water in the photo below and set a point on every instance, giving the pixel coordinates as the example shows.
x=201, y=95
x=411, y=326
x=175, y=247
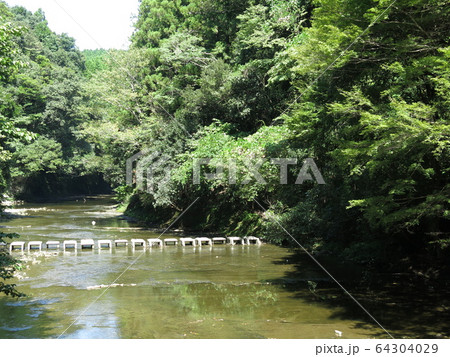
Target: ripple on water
x=15, y=329
x=32, y=302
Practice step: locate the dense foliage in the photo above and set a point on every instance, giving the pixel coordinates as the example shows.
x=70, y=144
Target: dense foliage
x=9, y=65
x=360, y=86
x=43, y=98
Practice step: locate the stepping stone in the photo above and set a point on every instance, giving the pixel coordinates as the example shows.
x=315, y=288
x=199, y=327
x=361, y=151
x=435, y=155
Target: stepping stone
x=187, y=241
x=19, y=245
x=170, y=241
x=87, y=244
x=219, y=240
x=203, y=241
x=70, y=244
x=138, y=243
x=154, y=241
x=35, y=245
x=120, y=242
x=234, y=240
x=52, y=243
x=252, y=240
x=104, y=243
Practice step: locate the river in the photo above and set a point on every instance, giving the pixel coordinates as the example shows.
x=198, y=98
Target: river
x=175, y=292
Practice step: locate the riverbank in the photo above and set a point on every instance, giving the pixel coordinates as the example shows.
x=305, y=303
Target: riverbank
x=380, y=260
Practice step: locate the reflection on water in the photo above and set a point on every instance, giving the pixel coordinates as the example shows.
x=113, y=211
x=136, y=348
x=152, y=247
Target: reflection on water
x=175, y=292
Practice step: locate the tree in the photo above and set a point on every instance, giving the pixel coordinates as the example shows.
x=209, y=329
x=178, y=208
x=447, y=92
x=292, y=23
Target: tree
x=378, y=120
x=9, y=65
x=8, y=265
x=8, y=48
x=43, y=98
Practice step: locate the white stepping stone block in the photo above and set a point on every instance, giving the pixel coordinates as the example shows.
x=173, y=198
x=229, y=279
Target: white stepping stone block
x=153, y=241
x=203, y=241
x=219, y=240
x=170, y=241
x=187, y=241
x=87, y=244
x=19, y=245
x=235, y=240
x=104, y=243
x=138, y=243
x=70, y=244
x=35, y=245
x=52, y=244
x=253, y=240
x=120, y=242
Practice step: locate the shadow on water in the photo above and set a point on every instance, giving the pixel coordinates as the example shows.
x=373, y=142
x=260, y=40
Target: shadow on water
x=406, y=309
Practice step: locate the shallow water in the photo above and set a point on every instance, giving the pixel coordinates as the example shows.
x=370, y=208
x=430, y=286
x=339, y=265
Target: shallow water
x=175, y=292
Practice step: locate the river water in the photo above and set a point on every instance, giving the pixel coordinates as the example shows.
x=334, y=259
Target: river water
x=175, y=292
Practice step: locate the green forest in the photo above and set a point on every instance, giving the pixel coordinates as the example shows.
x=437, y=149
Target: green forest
x=360, y=86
